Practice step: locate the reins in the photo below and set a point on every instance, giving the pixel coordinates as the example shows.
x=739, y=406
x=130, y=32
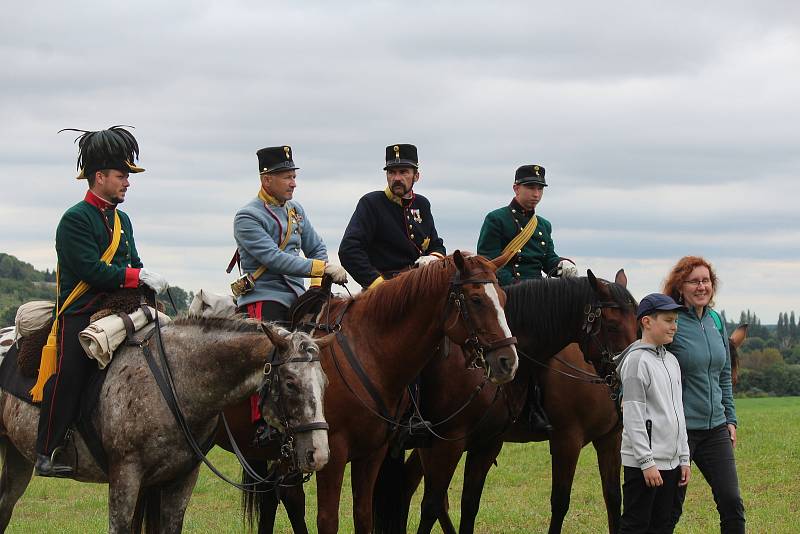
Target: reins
x=165, y=381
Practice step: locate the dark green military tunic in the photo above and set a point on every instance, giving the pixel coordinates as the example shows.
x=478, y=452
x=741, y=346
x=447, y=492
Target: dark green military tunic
x=538, y=254
x=83, y=234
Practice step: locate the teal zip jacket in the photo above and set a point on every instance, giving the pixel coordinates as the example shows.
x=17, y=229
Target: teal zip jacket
x=704, y=357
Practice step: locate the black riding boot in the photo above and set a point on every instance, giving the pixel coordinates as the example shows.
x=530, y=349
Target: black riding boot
x=537, y=418
x=46, y=467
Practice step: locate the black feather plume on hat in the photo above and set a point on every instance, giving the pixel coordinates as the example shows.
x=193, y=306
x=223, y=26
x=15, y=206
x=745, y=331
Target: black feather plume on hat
x=114, y=148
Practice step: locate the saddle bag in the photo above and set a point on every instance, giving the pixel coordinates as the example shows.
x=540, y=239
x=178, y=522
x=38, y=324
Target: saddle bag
x=102, y=337
x=33, y=316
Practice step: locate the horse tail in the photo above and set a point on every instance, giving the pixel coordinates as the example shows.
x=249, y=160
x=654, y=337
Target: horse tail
x=147, y=516
x=389, y=515
x=251, y=501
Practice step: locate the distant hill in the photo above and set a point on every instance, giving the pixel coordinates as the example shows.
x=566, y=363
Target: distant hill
x=21, y=282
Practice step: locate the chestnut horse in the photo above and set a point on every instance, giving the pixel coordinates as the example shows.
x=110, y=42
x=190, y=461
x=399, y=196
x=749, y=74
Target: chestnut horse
x=546, y=315
x=385, y=337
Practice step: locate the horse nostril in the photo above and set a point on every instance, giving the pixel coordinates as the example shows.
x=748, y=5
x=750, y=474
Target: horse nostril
x=310, y=457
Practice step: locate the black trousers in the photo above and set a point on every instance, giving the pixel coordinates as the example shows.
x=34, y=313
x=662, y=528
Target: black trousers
x=647, y=510
x=62, y=392
x=712, y=452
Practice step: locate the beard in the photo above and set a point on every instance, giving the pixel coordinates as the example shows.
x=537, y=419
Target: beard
x=399, y=188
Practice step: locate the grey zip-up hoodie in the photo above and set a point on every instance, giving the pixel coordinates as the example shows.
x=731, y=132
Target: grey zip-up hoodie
x=654, y=428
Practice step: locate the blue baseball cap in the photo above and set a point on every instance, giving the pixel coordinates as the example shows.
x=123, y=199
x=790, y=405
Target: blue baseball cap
x=656, y=302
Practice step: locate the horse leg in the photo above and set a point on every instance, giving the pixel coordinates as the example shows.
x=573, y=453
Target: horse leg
x=476, y=469
x=124, y=483
x=329, y=488
x=412, y=476
x=267, y=511
x=564, y=452
x=294, y=499
x=16, y=475
x=610, y=464
x=439, y=464
x=363, y=474
x=174, y=500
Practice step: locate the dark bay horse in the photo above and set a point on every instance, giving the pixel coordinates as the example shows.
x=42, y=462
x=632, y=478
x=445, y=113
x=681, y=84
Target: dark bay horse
x=386, y=337
x=151, y=469
x=546, y=316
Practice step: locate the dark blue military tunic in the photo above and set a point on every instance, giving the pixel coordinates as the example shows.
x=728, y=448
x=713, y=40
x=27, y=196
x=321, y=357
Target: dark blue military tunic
x=387, y=234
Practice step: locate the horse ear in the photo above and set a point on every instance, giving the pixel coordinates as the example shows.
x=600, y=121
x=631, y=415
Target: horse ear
x=621, y=278
x=324, y=341
x=280, y=342
x=500, y=261
x=459, y=261
x=739, y=335
x=592, y=280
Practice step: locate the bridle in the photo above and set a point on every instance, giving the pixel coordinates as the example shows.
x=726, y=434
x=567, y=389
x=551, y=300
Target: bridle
x=593, y=334
x=273, y=381
x=476, y=348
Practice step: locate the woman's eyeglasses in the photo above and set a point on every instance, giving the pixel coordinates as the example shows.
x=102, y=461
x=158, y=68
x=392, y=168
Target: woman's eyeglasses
x=696, y=283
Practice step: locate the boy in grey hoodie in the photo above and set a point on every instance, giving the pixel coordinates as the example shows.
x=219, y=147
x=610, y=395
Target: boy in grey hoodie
x=655, y=449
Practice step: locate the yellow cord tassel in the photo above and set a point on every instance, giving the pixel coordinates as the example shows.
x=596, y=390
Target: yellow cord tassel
x=47, y=368
x=49, y=363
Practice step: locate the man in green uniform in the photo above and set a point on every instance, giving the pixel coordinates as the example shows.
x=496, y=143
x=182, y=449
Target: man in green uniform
x=530, y=235
x=96, y=255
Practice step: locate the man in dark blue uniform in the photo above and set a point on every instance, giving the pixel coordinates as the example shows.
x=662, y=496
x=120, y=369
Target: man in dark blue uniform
x=391, y=230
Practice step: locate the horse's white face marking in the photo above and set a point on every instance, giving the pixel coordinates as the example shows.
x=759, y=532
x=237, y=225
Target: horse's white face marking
x=491, y=292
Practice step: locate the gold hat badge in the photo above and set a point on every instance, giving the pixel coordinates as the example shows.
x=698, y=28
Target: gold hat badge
x=536, y=169
x=288, y=152
x=396, y=152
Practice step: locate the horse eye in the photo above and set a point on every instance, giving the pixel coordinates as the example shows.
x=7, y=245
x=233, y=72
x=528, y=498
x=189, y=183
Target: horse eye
x=476, y=300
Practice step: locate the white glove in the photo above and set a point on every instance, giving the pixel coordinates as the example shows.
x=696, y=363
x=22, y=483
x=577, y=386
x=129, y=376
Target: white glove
x=425, y=260
x=154, y=281
x=336, y=272
x=566, y=269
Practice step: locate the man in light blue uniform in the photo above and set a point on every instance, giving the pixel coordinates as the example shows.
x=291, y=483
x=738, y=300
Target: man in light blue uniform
x=271, y=230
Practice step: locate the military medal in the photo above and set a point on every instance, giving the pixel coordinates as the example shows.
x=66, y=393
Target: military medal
x=417, y=215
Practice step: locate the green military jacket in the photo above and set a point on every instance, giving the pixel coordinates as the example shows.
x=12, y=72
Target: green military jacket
x=501, y=226
x=83, y=234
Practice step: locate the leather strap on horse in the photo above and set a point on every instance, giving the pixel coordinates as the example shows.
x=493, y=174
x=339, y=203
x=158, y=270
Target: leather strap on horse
x=355, y=364
x=48, y=365
x=519, y=240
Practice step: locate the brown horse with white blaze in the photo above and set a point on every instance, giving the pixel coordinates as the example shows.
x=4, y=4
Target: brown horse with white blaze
x=385, y=337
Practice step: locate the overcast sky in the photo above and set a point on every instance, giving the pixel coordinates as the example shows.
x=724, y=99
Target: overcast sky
x=666, y=128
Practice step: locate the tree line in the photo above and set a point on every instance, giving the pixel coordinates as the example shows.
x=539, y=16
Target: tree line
x=769, y=361
x=21, y=282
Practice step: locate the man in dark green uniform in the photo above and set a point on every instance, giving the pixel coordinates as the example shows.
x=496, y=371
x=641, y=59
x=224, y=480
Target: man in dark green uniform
x=84, y=245
x=533, y=254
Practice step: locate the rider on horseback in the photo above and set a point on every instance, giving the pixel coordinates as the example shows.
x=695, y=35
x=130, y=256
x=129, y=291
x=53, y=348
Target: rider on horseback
x=271, y=230
x=96, y=254
x=391, y=230
x=532, y=237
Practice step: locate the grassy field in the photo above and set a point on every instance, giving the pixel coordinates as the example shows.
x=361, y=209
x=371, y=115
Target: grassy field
x=516, y=498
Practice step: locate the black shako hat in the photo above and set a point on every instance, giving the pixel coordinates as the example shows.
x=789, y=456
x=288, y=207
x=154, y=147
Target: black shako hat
x=530, y=174
x=114, y=148
x=275, y=158
x=401, y=155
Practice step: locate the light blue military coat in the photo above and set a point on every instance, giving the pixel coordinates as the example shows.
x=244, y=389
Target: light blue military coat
x=259, y=228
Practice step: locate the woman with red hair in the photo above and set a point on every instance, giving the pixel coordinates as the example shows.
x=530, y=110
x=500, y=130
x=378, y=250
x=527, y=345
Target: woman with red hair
x=701, y=347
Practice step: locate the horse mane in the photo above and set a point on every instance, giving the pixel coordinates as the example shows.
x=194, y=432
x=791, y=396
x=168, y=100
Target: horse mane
x=233, y=323
x=405, y=293
x=555, y=299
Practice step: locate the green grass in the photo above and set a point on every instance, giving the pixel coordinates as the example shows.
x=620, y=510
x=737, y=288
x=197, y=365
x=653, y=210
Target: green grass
x=516, y=498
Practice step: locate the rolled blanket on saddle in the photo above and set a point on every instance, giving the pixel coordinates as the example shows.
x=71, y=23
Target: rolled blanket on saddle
x=102, y=337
